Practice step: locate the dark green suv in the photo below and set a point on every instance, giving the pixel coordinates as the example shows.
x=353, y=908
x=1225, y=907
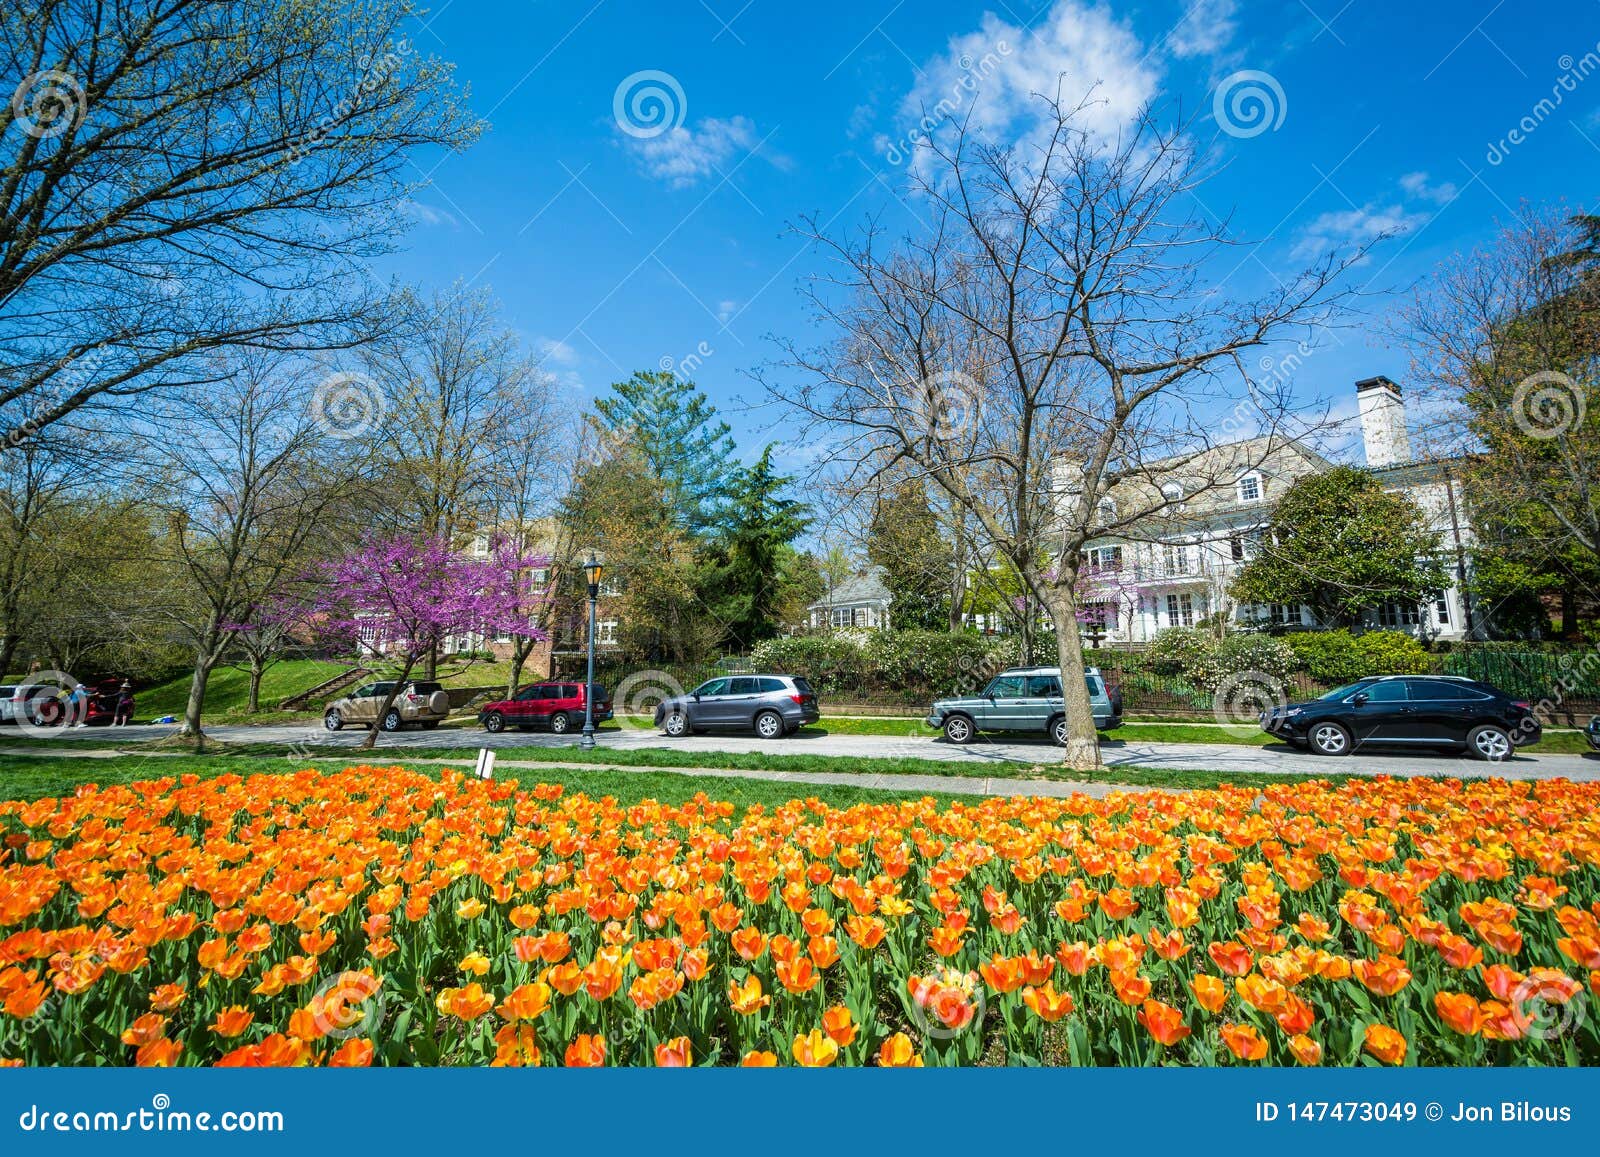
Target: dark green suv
x=1024, y=699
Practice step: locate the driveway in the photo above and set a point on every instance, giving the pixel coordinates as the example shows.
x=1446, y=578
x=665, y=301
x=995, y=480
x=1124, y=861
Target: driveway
x=982, y=758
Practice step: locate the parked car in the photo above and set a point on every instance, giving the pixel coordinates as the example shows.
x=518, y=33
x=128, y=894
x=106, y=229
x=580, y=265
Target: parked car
x=1592, y=732
x=558, y=706
x=1025, y=699
x=1447, y=711
x=45, y=704
x=422, y=702
x=771, y=705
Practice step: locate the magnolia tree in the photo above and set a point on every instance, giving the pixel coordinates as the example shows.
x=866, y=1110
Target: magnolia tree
x=404, y=596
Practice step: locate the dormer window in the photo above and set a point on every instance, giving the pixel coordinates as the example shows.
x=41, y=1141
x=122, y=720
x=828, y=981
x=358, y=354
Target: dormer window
x=1250, y=488
x=1108, y=510
x=1172, y=492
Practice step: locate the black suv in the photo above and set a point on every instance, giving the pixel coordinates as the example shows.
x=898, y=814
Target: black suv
x=1418, y=710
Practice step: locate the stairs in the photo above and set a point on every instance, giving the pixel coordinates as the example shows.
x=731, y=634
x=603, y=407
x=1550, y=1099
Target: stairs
x=325, y=689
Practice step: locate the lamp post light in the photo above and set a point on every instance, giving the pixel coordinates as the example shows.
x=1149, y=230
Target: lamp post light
x=591, y=571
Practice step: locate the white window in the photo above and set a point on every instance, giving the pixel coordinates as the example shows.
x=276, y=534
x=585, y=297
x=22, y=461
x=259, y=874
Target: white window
x=1398, y=616
x=605, y=631
x=1250, y=488
x=539, y=576
x=1180, y=611
x=1441, y=610
x=1172, y=492
x=1108, y=510
x=1177, y=559
x=839, y=617
x=480, y=546
x=1104, y=558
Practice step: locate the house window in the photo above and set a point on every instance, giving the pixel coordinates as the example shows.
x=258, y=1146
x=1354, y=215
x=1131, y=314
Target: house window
x=1108, y=510
x=1245, y=546
x=480, y=546
x=605, y=632
x=1250, y=488
x=539, y=576
x=1104, y=558
x=1441, y=609
x=1278, y=614
x=1398, y=616
x=1172, y=492
x=839, y=617
x=1180, y=611
x=1177, y=559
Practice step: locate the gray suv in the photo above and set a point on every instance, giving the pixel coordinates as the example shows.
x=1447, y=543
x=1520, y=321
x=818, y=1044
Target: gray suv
x=771, y=705
x=1024, y=699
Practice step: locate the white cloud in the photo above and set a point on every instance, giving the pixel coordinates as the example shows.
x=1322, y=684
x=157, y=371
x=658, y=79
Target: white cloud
x=1418, y=185
x=993, y=76
x=1349, y=228
x=1205, y=28
x=684, y=155
x=556, y=352
x=427, y=214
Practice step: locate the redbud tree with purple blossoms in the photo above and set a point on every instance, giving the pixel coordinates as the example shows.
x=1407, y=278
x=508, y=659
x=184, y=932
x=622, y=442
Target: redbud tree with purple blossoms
x=404, y=596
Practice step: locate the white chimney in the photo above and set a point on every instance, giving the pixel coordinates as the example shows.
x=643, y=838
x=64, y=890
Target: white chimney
x=1383, y=422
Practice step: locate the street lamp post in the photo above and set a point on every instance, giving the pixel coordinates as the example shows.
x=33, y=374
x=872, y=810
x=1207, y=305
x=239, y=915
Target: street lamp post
x=591, y=571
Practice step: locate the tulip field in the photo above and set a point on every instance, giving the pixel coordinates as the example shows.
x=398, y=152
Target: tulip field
x=380, y=916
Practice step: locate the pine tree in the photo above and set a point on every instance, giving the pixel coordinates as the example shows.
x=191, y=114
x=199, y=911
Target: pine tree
x=753, y=560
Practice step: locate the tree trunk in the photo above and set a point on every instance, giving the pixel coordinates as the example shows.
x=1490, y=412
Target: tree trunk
x=258, y=668
x=520, y=650
x=371, y=740
x=1083, y=742
x=192, y=708
x=1569, y=615
x=8, y=652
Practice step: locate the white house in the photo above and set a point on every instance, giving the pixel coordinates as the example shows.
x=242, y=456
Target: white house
x=1175, y=569
x=859, y=601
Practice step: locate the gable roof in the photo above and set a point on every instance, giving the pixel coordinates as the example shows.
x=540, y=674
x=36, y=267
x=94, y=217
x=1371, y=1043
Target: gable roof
x=853, y=591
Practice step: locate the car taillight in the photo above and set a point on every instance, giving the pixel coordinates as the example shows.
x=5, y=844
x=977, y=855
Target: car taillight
x=798, y=699
x=1522, y=703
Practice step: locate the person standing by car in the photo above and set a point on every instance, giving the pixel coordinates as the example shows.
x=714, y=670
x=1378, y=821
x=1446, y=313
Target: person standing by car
x=124, y=713
x=78, y=705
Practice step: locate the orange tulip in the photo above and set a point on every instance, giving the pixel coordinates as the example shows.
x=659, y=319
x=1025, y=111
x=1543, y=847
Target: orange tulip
x=758, y=1060
x=746, y=996
x=586, y=1052
x=1210, y=991
x=1244, y=1042
x=158, y=1054
x=1232, y=957
x=898, y=1053
x=232, y=1021
x=673, y=1054
x=1305, y=1050
x=1047, y=1004
x=355, y=1053
x=814, y=1050
x=1459, y=1012
x=1385, y=1043
x=468, y=1003
x=1163, y=1022
x=525, y=1002
x=1384, y=976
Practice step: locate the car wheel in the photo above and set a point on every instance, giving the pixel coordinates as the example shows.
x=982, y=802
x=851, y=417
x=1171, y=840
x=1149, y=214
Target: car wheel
x=391, y=721
x=1058, y=730
x=675, y=724
x=769, y=725
x=959, y=729
x=333, y=720
x=561, y=723
x=1329, y=739
x=494, y=723
x=1489, y=743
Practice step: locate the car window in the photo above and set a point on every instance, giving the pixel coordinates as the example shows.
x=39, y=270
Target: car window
x=801, y=685
x=745, y=686
x=381, y=688
x=359, y=692
x=770, y=685
x=1439, y=689
x=1006, y=687
x=1093, y=682
x=426, y=688
x=568, y=691
x=712, y=687
x=1387, y=691
x=1043, y=686
x=528, y=692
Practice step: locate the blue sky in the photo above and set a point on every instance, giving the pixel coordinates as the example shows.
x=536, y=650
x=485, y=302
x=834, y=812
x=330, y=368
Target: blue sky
x=613, y=249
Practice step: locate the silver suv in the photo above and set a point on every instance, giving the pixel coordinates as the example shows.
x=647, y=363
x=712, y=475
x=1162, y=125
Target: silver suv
x=421, y=702
x=1024, y=699
x=771, y=705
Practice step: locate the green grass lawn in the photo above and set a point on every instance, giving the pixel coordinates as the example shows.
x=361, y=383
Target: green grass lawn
x=28, y=778
x=229, y=687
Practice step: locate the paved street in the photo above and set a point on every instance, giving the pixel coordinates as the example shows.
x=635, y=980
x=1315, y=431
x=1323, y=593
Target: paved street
x=978, y=757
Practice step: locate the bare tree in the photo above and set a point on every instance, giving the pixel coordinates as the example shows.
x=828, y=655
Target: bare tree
x=1054, y=334
x=182, y=176
x=254, y=481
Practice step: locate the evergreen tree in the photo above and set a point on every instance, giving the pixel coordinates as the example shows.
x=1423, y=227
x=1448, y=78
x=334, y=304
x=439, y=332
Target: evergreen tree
x=753, y=561
x=674, y=427
x=907, y=543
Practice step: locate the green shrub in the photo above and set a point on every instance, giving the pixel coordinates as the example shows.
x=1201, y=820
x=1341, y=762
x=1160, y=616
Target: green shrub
x=1238, y=654
x=1337, y=657
x=1179, y=651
